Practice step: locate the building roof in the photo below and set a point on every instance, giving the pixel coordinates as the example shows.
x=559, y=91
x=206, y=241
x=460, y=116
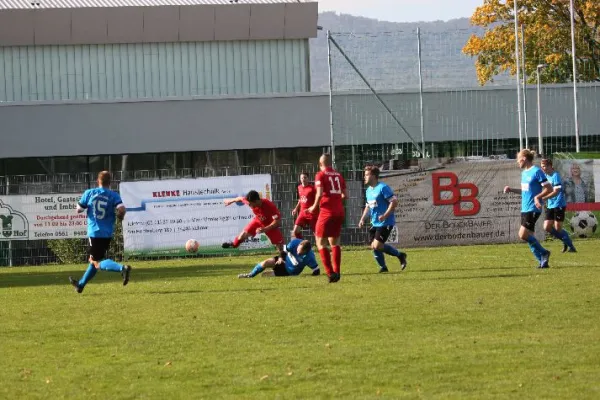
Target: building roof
x=37, y=4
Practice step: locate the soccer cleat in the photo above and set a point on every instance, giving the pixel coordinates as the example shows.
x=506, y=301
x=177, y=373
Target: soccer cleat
x=334, y=277
x=244, y=276
x=383, y=270
x=316, y=272
x=567, y=249
x=402, y=257
x=75, y=284
x=125, y=274
x=545, y=259
x=227, y=245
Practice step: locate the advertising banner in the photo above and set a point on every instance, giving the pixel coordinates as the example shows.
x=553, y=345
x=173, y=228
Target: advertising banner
x=458, y=203
x=51, y=216
x=162, y=215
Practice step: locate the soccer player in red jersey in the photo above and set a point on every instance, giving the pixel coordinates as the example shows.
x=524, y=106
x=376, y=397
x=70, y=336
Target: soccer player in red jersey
x=306, y=198
x=267, y=220
x=331, y=190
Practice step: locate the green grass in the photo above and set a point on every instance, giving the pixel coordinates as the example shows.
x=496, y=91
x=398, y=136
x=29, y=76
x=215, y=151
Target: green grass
x=460, y=322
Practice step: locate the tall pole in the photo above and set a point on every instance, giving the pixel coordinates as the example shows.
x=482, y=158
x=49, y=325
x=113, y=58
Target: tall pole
x=575, y=112
x=539, y=111
x=332, y=138
x=524, y=87
x=518, y=65
x=10, y=247
x=421, y=92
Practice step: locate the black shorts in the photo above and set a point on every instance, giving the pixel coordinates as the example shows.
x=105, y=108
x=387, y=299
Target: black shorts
x=98, y=247
x=280, y=269
x=528, y=220
x=556, y=214
x=380, y=233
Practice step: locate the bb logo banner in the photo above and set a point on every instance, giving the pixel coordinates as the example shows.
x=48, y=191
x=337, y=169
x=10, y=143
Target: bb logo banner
x=461, y=193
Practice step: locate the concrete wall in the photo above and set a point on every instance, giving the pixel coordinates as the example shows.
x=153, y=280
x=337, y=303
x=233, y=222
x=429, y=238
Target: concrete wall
x=279, y=122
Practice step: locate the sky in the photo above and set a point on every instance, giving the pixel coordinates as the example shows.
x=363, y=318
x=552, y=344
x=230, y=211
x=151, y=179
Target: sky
x=403, y=10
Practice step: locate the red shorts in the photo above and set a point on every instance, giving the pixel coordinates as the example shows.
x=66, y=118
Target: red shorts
x=329, y=226
x=274, y=235
x=306, y=219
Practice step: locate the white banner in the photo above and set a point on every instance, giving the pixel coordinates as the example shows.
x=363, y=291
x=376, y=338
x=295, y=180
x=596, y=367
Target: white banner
x=51, y=216
x=458, y=204
x=163, y=215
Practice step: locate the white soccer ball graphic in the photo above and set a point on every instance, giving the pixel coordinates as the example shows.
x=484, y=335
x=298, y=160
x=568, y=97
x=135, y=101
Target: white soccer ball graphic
x=584, y=224
x=191, y=246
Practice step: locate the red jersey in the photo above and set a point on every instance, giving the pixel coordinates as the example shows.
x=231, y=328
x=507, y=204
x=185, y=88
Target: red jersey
x=306, y=195
x=267, y=212
x=333, y=185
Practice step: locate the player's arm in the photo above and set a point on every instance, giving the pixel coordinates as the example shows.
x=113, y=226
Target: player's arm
x=121, y=210
x=555, y=192
x=318, y=197
x=391, y=207
x=229, y=202
x=363, y=217
x=296, y=209
x=312, y=263
x=82, y=205
x=546, y=190
x=273, y=225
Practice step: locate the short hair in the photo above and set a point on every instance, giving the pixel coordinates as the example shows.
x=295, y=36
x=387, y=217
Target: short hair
x=304, y=173
x=104, y=178
x=374, y=170
x=528, y=154
x=547, y=161
x=326, y=157
x=306, y=244
x=252, y=196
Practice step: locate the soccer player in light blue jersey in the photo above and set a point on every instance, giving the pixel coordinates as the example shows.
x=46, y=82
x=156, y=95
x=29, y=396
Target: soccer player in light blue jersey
x=534, y=187
x=556, y=206
x=381, y=204
x=296, y=256
x=102, y=206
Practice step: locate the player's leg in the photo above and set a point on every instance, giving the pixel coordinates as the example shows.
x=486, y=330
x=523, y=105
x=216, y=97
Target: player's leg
x=89, y=273
x=298, y=224
x=377, y=250
x=526, y=233
x=381, y=237
x=106, y=264
x=249, y=230
x=561, y=233
x=260, y=267
x=334, y=233
x=276, y=238
x=322, y=245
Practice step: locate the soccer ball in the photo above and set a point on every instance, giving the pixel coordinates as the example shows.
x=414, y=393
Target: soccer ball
x=191, y=246
x=584, y=224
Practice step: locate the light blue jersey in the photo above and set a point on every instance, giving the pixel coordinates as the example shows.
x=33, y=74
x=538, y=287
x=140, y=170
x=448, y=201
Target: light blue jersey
x=559, y=200
x=378, y=200
x=294, y=264
x=531, y=185
x=100, y=205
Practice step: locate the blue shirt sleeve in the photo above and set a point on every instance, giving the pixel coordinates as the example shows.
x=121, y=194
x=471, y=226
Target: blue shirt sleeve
x=85, y=198
x=311, y=260
x=540, y=176
x=556, y=180
x=117, y=199
x=387, y=192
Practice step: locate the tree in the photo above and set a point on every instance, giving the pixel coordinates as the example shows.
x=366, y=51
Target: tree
x=547, y=27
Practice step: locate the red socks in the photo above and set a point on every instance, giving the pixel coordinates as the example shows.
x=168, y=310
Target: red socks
x=326, y=258
x=236, y=243
x=337, y=258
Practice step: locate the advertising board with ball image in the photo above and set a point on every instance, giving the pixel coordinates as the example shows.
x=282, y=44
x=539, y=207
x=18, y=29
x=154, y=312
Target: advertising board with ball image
x=581, y=183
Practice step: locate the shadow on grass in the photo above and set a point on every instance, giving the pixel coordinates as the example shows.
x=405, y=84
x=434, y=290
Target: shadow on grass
x=27, y=279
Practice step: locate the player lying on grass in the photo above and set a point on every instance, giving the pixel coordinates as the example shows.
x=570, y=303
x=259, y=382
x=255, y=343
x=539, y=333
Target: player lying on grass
x=297, y=255
x=267, y=220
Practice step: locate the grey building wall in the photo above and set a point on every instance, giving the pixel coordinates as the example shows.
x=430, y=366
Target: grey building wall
x=302, y=120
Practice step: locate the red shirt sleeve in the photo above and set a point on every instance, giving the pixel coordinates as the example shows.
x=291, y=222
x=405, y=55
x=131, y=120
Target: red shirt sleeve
x=272, y=210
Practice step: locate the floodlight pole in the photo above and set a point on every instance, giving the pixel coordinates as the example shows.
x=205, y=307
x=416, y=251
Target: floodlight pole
x=421, y=92
x=332, y=138
x=518, y=65
x=573, y=53
x=539, y=110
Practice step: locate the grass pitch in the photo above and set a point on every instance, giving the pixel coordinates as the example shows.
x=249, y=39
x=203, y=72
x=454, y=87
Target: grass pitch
x=461, y=322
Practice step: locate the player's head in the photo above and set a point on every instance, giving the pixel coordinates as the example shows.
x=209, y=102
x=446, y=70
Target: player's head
x=104, y=179
x=304, y=178
x=547, y=165
x=304, y=247
x=325, y=161
x=371, y=175
x=253, y=198
x=525, y=158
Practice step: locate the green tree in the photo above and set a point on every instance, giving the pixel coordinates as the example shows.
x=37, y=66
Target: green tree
x=547, y=27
